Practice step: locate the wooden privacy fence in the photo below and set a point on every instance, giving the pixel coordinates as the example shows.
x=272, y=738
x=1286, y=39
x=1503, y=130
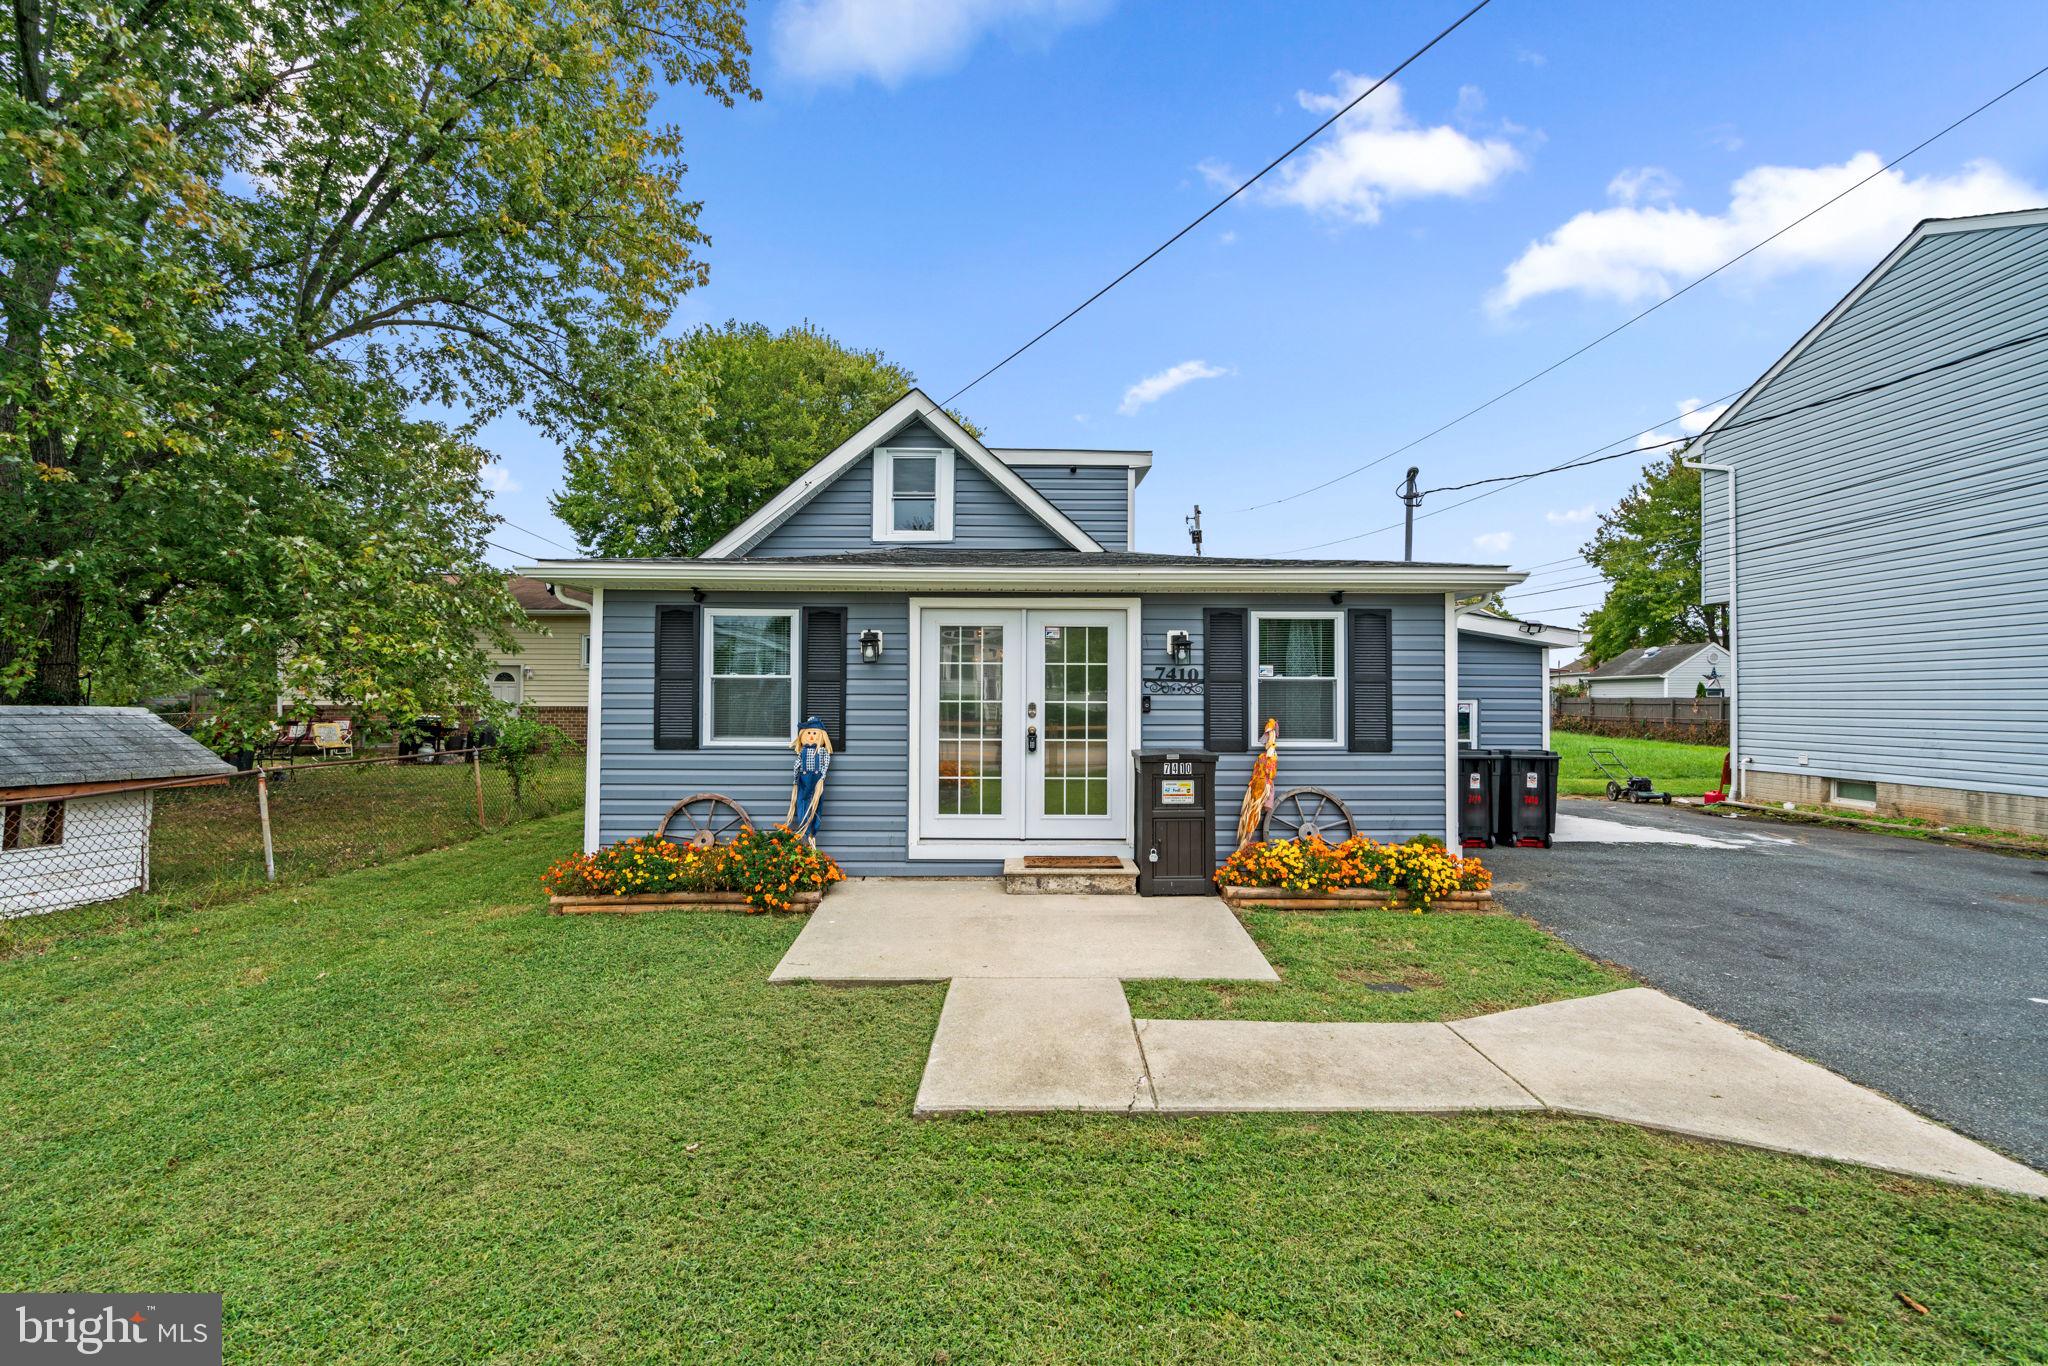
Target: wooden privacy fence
x=1703, y=720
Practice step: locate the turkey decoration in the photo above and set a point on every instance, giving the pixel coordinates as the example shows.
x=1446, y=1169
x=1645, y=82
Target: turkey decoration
x=1258, y=794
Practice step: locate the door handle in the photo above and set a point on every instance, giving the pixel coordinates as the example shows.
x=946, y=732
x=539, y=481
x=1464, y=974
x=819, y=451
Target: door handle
x=1031, y=739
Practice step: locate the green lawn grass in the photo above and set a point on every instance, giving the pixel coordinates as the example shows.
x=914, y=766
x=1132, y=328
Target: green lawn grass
x=1681, y=770
x=1453, y=965
x=403, y=1115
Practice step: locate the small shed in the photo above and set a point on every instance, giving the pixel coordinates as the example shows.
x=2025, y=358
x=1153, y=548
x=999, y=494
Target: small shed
x=76, y=790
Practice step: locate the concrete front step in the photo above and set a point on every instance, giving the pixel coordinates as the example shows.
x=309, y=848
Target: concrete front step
x=1022, y=877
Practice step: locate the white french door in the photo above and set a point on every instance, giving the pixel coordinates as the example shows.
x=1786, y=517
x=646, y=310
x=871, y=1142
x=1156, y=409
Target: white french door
x=1023, y=724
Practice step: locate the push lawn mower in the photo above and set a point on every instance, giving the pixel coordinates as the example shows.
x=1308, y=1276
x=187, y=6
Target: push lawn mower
x=1623, y=782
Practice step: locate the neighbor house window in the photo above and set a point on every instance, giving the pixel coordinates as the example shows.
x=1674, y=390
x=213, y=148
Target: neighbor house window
x=32, y=825
x=1855, y=792
x=1295, y=681
x=913, y=495
x=1468, y=724
x=752, y=695
x=586, y=651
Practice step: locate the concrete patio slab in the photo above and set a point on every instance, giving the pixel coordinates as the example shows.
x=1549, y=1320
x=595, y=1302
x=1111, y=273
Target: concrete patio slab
x=1211, y=1066
x=1034, y=1044
x=1644, y=1058
x=1573, y=829
x=933, y=929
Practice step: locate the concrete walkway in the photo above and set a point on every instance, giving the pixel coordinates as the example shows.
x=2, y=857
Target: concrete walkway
x=1036, y=1020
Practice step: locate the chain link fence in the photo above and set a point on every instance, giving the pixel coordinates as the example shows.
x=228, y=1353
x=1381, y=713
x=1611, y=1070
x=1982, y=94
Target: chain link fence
x=207, y=842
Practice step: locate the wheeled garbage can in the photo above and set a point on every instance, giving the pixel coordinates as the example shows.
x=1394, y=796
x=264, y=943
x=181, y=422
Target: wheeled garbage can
x=1478, y=793
x=1176, y=821
x=1527, y=815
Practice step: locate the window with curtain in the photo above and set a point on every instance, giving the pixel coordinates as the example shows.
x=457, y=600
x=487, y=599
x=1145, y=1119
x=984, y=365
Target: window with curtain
x=752, y=691
x=1296, y=678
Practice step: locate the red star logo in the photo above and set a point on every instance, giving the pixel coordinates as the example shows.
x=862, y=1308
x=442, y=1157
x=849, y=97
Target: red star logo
x=136, y=1317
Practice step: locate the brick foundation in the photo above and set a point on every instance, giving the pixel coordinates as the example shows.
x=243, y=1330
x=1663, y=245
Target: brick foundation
x=1944, y=805
x=571, y=721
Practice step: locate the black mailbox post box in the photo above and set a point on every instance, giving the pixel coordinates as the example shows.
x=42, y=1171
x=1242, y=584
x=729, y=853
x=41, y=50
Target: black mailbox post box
x=1478, y=789
x=1528, y=797
x=1176, y=821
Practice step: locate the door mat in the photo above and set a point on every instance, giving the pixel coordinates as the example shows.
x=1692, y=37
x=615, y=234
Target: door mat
x=1071, y=861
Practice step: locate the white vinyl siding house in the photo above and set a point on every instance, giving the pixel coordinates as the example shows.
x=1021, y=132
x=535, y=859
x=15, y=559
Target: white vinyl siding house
x=1873, y=512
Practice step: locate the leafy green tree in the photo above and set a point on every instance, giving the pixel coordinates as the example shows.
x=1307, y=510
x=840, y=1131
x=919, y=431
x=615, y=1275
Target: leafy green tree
x=1648, y=550
x=746, y=410
x=242, y=246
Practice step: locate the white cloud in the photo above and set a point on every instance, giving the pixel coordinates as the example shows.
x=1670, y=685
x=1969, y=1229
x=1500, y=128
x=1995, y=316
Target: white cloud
x=498, y=479
x=1528, y=58
x=892, y=40
x=1643, y=185
x=1152, y=388
x=1694, y=416
x=1494, y=542
x=1377, y=155
x=1572, y=516
x=1636, y=251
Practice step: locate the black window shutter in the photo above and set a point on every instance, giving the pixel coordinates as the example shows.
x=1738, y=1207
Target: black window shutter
x=1226, y=677
x=1372, y=682
x=676, y=708
x=824, y=693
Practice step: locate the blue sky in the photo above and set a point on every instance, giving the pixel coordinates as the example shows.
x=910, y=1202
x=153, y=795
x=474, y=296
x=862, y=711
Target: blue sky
x=941, y=178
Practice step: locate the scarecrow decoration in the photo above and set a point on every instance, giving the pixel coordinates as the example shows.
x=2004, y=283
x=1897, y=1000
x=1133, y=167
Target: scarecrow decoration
x=1258, y=794
x=813, y=759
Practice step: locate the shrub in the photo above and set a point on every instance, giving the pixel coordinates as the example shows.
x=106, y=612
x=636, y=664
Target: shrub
x=769, y=866
x=1420, y=870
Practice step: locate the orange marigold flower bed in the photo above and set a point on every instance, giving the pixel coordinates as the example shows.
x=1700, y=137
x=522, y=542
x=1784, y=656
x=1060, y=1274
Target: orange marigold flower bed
x=1421, y=870
x=770, y=866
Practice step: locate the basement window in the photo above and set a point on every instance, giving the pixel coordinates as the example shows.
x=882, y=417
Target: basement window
x=1855, y=792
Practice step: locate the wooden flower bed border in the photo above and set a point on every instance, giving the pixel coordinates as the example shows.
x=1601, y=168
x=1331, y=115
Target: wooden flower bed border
x=668, y=901
x=1281, y=899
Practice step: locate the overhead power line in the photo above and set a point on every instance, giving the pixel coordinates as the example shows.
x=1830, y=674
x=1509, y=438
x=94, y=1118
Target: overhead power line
x=1146, y=259
x=1631, y=321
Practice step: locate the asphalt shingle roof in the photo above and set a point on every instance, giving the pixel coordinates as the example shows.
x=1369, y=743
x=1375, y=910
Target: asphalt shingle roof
x=925, y=557
x=1652, y=661
x=58, y=746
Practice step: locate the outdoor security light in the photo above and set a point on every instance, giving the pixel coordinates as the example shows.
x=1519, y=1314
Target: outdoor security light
x=870, y=646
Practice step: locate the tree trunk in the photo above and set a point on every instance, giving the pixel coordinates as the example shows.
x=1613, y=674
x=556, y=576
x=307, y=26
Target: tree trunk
x=55, y=682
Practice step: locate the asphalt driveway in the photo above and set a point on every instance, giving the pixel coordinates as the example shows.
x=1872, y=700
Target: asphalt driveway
x=1918, y=969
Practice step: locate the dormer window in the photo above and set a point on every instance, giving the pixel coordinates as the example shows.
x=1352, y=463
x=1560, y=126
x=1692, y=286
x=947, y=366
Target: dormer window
x=913, y=495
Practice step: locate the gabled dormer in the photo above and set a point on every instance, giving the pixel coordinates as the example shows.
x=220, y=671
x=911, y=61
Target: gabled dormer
x=914, y=476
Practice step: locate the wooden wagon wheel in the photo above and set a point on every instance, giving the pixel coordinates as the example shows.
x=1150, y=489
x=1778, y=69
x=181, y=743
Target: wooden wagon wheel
x=1303, y=811
x=711, y=818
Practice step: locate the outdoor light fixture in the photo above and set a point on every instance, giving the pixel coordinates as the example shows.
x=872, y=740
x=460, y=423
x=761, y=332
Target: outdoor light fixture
x=870, y=646
x=1177, y=646
x=1337, y=598
x=696, y=593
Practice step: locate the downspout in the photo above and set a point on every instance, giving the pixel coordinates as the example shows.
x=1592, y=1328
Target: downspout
x=1734, y=676
x=593, y=713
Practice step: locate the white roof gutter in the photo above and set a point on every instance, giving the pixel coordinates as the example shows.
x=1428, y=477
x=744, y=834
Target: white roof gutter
x=772, y=575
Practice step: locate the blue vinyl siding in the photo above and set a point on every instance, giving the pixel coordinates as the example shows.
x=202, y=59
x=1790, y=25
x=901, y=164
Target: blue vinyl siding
x=1096, y=497
x=840, y=517
x=866, y=811
x=1892, y=570
x=1505, y=677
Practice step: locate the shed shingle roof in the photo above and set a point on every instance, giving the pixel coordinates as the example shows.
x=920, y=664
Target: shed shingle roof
x=1652, y=661
x=58, y=746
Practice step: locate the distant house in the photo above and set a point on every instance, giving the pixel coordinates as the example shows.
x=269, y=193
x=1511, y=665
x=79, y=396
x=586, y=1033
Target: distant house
x=547, y=677
x=1872, y=515
x=1503, y=689
x=1572, y=675
x=76, y=790
x=973, y=629
x=1662, y=671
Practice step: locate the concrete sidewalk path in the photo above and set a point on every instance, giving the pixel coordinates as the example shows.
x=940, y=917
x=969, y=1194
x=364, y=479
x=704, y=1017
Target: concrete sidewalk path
x=936, y=929
x=1060, y=1043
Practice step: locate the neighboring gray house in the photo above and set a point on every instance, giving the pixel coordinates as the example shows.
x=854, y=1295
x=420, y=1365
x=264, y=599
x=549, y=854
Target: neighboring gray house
x=986, y=652
x=1662, y=671
x=1504, y=679
x=76, y=787
x=1875, y=516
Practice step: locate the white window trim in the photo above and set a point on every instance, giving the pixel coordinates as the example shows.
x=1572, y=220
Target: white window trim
x=1473, y=704
x=885, y=493
x=711, y=737
x=1339, y=682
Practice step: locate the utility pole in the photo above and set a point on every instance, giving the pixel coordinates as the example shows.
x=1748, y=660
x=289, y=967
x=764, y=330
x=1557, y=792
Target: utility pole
x=1411, y=498
x=1195, y=528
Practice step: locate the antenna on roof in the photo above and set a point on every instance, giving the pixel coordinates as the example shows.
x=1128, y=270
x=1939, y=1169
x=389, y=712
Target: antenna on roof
x=1195, y=528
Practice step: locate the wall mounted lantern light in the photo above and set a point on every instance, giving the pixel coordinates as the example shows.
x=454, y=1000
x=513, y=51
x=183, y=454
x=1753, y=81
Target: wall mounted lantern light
x=1178, y=648
x=870, y=646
